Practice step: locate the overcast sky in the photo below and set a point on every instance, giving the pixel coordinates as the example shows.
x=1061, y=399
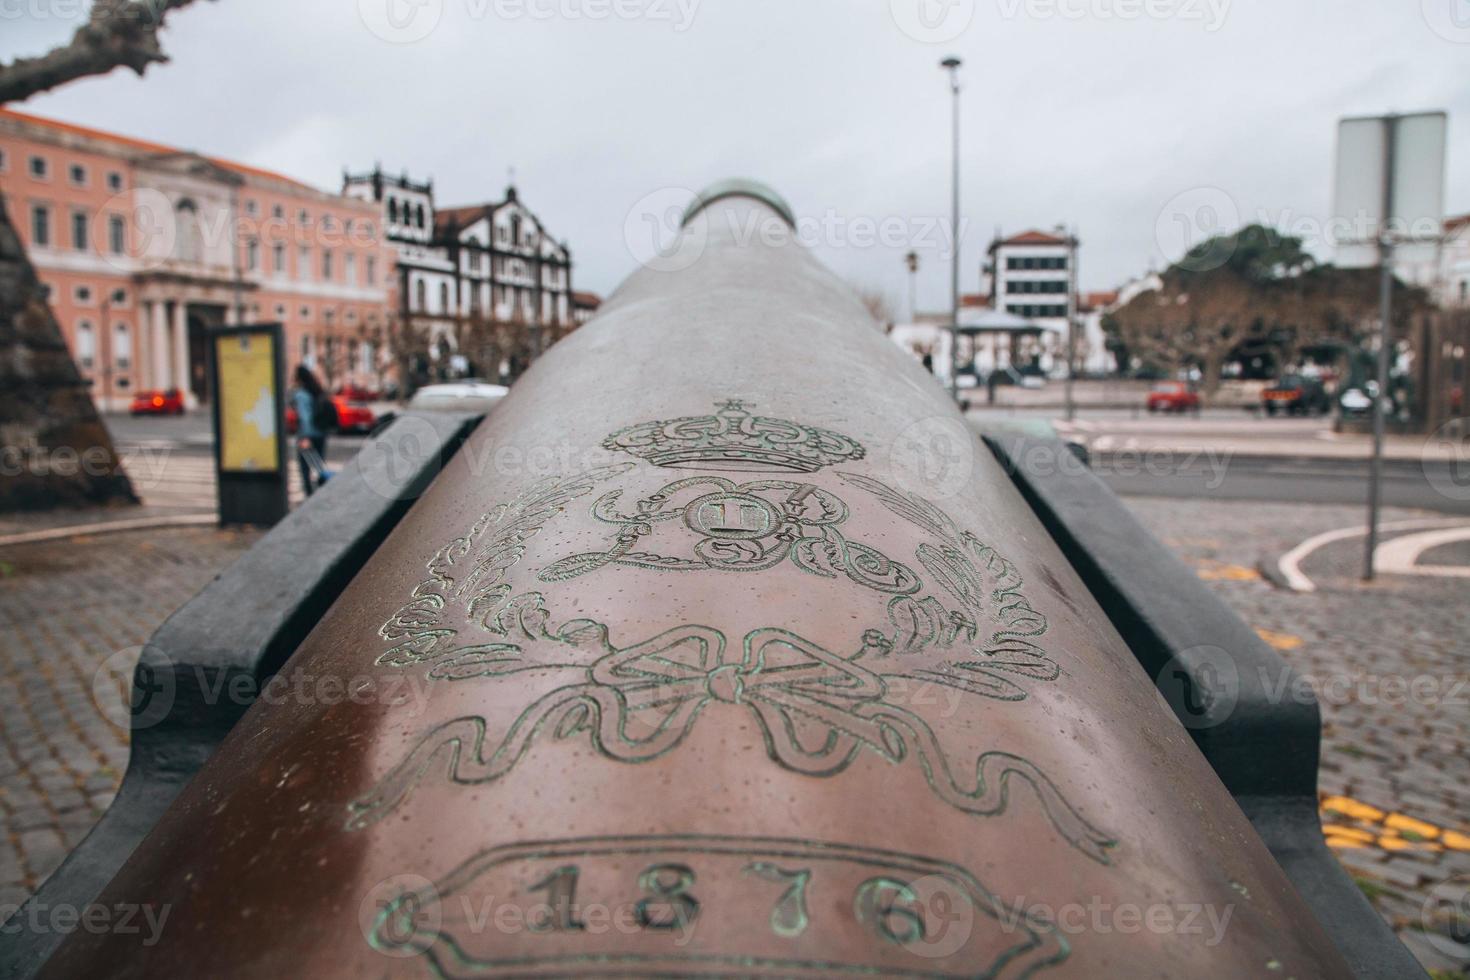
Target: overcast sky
x=1135, y=120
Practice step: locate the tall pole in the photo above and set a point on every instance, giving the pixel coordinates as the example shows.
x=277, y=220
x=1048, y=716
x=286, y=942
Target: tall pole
x=1072, y=282
x=1385, y=340
x=912, y=261
x=952, y=64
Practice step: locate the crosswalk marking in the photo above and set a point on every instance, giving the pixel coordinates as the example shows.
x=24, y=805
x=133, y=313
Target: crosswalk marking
x=184, y=481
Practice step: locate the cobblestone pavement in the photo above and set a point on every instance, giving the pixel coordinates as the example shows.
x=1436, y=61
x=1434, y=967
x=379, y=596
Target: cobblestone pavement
x=1390, y=665
x=65, y=608
x=1388, y=662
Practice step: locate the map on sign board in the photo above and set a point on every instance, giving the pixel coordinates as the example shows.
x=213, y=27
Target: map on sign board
x=247, y=400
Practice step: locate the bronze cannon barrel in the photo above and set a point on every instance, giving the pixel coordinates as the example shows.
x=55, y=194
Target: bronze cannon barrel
x=722, y=647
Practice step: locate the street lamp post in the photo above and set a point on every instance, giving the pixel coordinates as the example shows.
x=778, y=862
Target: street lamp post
x=952, y=65
x=1073, y=284
x=912, y=261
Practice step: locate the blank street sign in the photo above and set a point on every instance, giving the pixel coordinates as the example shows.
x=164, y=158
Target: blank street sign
x=1417, y=208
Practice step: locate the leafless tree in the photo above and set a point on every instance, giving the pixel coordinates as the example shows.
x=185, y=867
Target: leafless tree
x=59, y=452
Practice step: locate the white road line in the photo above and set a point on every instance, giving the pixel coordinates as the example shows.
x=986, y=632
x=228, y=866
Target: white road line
x=1289, y=564
x=1401, y=555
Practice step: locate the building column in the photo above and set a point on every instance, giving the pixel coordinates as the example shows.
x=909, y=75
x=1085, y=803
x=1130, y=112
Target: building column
x=158, y=347
x=181, y=352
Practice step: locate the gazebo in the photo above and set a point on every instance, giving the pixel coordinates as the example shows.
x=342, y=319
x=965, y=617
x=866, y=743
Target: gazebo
x=994, y=324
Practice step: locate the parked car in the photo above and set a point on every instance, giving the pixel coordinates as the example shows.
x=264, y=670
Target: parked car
x=1173, y=396
x=1008, y=375
x=352, y=416
x=1296, y=395
x=358, y=393
x=1355, y=403
x=161, y=401
x=458, y=396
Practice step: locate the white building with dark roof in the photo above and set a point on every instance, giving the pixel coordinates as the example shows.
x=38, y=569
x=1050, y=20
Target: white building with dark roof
x=493, y=262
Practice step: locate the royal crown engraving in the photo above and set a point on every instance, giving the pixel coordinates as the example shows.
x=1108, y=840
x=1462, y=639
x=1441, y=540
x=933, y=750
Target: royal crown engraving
x=734, y=439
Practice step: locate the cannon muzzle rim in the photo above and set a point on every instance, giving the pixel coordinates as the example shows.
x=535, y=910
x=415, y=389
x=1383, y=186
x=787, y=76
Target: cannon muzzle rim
x=739, y=187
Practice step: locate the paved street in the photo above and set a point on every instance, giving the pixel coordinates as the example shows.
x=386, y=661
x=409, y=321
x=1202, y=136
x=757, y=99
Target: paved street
x=66, y=609
x=1390, y=666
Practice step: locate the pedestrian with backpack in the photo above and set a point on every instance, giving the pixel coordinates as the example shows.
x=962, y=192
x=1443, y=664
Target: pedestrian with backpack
x=316, y=416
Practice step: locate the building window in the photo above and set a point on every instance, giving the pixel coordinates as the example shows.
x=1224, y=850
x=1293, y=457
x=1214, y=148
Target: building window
x=329, y=317
x=119, y=297
x=393, y=210
x=327, y=264
x=327, y=222
x=277, y=212
x=349, y=268
x=122, y=346
x=419, y=214
x=114, y=181
x=77, y=174
x=302, y=218
x=278, y=259
x=280, y=311
x=303, y=263
x=189, y=240
x=4, y=162
x=79, y=230
x=306, y=313
x=86, y=344
x=370, y=270
x=38, y=168
x=117, y=234
x=252, y=208
x=252, y=255
x=41, y=226
x=444, y=297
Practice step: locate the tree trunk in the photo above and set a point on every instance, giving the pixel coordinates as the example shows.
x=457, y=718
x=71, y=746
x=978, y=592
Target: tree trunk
x=54, y=449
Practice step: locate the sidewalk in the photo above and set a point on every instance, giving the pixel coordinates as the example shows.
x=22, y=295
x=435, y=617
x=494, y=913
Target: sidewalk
x=74, y=614
x=1298, y=439
x=1388, y=666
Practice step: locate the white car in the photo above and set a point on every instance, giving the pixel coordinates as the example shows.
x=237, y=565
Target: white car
x=458, y=396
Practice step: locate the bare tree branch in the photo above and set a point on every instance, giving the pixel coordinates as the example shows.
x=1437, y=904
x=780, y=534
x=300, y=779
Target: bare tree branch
x=118, y=34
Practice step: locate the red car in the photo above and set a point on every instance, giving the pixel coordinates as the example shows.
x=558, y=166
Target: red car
x=352, y=416
x=158, y=402
x=1173, y=396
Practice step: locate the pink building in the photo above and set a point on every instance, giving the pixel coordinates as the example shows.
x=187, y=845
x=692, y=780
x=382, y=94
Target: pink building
x=145, y=246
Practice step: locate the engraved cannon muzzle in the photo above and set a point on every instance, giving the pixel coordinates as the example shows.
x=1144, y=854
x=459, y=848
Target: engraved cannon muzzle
x=722, y=647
